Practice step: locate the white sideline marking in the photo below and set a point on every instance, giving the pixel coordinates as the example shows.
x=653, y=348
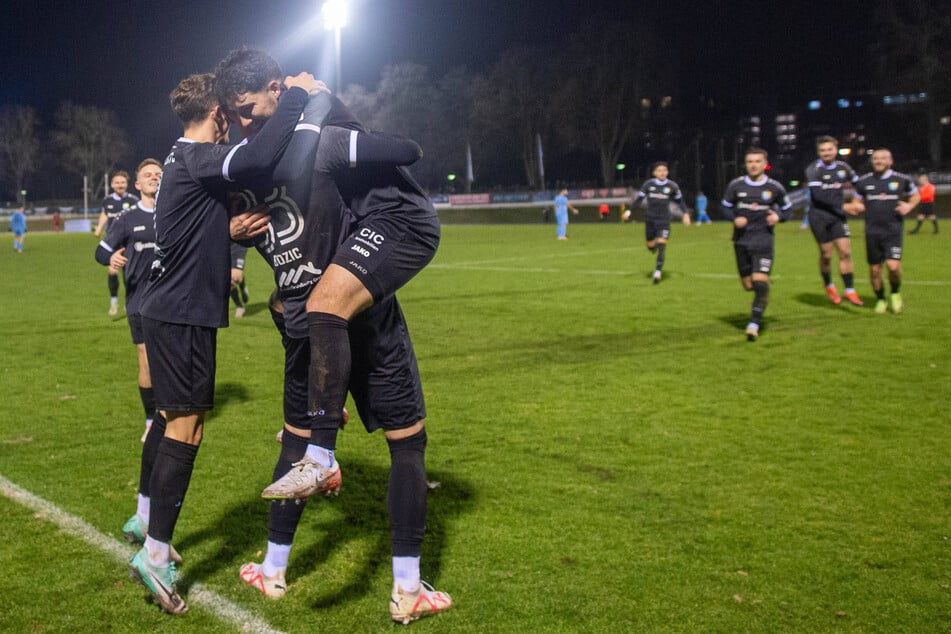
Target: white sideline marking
x=197, y=594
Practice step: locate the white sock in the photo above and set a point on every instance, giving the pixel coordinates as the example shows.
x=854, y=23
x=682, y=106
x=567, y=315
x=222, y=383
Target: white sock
x=275, y=560
x=158, y=552
x=406, y=573
x=321, y=455
x=142, y=508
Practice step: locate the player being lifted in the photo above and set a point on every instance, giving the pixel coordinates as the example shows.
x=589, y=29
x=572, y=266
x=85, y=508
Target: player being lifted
x=130, y=245
x=756, y=204
x=886, y=197
x=659, y=192
x=116, y=203
x=826, y=179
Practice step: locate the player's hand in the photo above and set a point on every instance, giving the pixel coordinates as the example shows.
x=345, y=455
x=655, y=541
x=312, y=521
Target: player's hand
x=345, y=419
x=574, y=211
x=686, y=220
x=772, y=218
x=854, y=207
x=117, y=260
x=236, y=276
x=903, y=207
x=251, y=223
x=740, y=222
x=307, y=82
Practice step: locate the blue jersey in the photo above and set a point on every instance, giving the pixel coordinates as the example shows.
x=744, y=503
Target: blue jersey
x=561, y=204
x=18, y=223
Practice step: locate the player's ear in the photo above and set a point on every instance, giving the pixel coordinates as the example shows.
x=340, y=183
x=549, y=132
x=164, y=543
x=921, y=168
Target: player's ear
x=275, y=86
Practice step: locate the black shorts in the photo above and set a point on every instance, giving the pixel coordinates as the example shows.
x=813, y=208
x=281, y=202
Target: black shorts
x=182, y=364
x=654, y=229
x=135, y=327
x=385, y=251
x=926, y=209
x=753, y=258
x=827, y=227
x=883, y=245
x=384, y=377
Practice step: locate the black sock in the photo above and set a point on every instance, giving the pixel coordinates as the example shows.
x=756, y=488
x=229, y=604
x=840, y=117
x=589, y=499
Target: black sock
x=406, y=495
x=880, y=293
x=113, y=286
x=236, y=297
x=244, y=292
x=284, y=515
x=149, y=451
x=827, y=278
x=170, y=477
x=935, y=223
x=848, y=279
x=917, y=227
x=896, y=287
x=147, y=395
x=661, y=250
x=329, y=376
x=760, y=300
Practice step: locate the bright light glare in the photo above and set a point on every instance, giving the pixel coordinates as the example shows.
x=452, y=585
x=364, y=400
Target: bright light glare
x=335, y=14
x=845, y=151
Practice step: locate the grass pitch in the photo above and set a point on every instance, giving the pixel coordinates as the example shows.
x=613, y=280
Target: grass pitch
x=610, y=455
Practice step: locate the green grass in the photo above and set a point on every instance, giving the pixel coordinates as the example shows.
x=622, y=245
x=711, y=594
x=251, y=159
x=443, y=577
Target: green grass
x=612, y=455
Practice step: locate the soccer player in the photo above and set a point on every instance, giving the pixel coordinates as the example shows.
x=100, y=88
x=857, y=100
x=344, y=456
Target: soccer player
x=827, y=179
x=186, y=301
x=375, y=356
x=18, y=227
x=561, y=214
x=130, y=245
x=756, y=204
x=116, y=203
x=659, y=192
x=701, y=205
x=239, y=288
x=886, y=197
x=926, y=210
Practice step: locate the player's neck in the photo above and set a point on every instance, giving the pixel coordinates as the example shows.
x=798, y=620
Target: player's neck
x=204, y=132
x=147, y=202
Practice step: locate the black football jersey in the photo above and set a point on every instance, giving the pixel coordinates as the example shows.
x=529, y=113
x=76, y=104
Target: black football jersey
x=133, y=230
x=826, y=185
x=659, y=195
x=881, y=195
x=754, y=200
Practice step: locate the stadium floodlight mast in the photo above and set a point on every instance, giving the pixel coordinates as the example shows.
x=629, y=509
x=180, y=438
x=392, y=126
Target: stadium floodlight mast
x=335, y=18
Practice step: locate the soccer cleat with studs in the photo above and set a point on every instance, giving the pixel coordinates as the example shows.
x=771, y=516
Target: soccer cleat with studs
x=853, y=298
x=752, y=332
x=160, y=582
x=306, y=478
x=881, y=307
x=406, y=607
x=896, y=303
x=271, y=587
x=833, y=295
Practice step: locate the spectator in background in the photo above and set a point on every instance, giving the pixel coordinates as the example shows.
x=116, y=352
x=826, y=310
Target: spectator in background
x=926, y=210
x=604, y=210
x=561, y=214
x=113, y=205
x=56, y=221
x=701, y=205
x=18, y=227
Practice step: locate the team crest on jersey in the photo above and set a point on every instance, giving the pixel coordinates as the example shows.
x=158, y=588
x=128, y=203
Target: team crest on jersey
x=893, y=186
x=841, y=173
x=766, y=195
x=667, y=190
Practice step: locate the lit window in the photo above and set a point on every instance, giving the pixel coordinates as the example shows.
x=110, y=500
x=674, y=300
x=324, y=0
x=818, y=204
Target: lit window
x=815, y=104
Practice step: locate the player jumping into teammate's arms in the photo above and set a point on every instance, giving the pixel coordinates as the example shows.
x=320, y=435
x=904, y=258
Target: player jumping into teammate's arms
x=886, y=197
x=827, y=178
x=659, y=192
x=186, y=301
x=756, y=204
x=129, y=245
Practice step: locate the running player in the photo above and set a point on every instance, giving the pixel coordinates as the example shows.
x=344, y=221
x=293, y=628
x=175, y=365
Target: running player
x=186, y=299
x=239, y=288
x=926, y=210
x=383, y=376
x=659, y=192
x=827, y=179
x=756, y=203
x=130, y=245
x=119, y=201
x=888, y=197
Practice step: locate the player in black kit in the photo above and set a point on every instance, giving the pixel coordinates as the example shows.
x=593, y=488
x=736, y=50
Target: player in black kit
x=351, y=165
x=117, y=202
x=827, y=179
x=130, y=245
x=886, y=198
x=659, y=192
x=756, y=203
x=186, y=300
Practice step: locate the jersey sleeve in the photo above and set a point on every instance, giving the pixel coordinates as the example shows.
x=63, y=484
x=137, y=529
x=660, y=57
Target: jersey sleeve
x=850, y=173
x=782, y=204
x=641, y=194
x=341, y=148
x=114, y=240
x=298, y=158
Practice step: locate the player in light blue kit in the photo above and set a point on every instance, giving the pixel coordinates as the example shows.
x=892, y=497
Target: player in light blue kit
x=561, y=214
x=18, y=227
x=702, y=216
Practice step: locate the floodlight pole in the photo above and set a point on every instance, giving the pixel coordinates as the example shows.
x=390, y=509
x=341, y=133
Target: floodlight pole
x=337, y=79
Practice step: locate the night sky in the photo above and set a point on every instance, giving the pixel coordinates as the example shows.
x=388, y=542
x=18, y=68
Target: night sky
x=127, y=56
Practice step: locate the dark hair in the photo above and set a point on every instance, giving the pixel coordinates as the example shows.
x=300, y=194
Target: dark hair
x=659, y=164
x=193, y=98
x=825, y=138
x=244, y=70
x=121, y=173
x=755, y=150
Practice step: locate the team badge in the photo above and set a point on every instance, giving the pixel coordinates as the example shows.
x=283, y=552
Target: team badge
x=667, y=190
x=893, y=186
x=766, y=195
x=841, y=173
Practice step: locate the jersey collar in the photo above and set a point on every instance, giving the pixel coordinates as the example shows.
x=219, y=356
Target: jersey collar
x=750, y=181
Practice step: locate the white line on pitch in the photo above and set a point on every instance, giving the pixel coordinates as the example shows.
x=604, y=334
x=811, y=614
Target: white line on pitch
x=198, y=594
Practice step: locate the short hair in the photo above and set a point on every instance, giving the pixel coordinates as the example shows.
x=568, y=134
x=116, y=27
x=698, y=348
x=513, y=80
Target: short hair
x=244, y=70
x=659, y=164
x=825, y=138
x=755, y=150
x=193, y=98
x=124, y=174
x=145, y=163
